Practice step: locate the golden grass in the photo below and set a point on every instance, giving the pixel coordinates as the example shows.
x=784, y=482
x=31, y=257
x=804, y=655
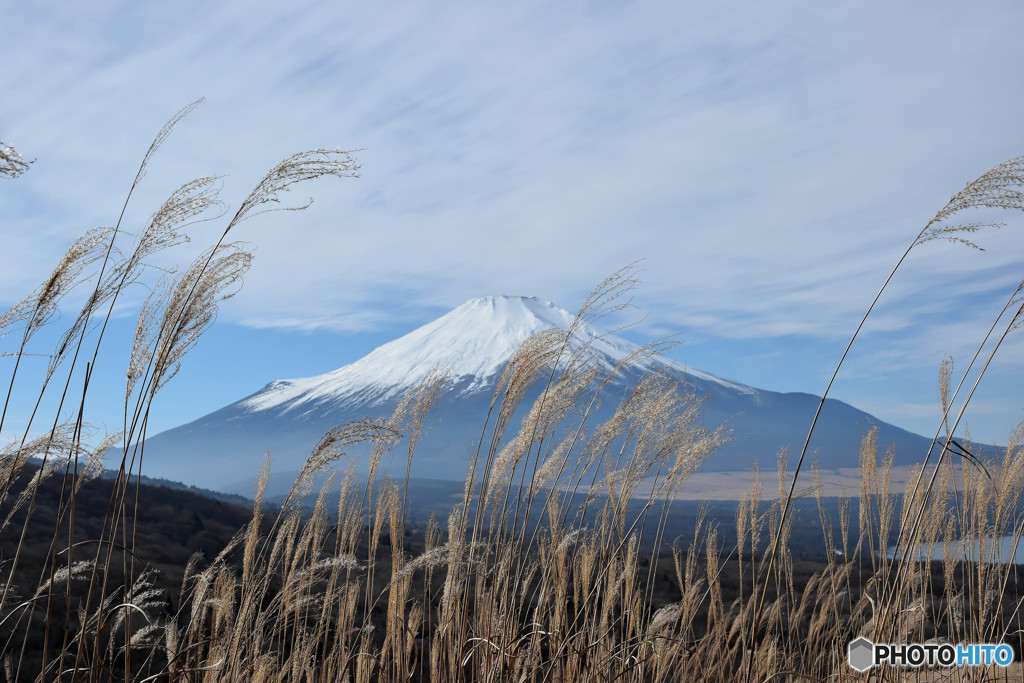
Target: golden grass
x=518, y=584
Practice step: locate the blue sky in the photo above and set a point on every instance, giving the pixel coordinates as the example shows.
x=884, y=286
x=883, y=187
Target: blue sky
x=769, y=161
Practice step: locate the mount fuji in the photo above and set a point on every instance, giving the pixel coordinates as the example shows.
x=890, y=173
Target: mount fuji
x=223, y=450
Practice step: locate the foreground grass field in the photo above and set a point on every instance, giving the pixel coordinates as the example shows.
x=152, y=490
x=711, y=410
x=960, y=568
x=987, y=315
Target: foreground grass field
x=537, y=576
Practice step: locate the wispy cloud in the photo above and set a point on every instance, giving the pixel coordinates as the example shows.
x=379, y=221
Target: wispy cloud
x=770, y=161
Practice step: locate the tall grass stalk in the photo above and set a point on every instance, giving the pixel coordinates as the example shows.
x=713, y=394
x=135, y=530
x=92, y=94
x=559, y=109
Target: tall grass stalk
x=997, y=188
x=543, y=572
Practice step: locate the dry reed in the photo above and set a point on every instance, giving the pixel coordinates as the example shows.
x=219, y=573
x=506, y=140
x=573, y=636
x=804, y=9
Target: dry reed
x=539, y=573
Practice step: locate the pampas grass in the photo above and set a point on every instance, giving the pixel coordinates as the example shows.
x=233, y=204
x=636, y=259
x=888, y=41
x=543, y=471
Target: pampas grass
x=543, y=572
x=11, y=163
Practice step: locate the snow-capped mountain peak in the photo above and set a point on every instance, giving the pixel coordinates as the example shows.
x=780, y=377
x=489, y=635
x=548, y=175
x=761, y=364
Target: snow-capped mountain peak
x=472, y=342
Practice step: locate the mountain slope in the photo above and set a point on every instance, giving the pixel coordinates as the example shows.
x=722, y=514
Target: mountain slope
x=474, y=342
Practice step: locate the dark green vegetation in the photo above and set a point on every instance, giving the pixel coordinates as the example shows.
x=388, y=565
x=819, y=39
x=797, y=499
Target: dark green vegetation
x=174, y=528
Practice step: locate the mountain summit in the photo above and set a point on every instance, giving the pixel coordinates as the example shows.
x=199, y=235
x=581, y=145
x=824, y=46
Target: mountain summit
x=473, y=343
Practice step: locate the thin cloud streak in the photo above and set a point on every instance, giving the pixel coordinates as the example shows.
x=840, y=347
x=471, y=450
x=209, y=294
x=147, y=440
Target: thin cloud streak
x=770, y=162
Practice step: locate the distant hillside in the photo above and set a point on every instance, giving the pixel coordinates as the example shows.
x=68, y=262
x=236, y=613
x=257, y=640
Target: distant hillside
x=232, y=498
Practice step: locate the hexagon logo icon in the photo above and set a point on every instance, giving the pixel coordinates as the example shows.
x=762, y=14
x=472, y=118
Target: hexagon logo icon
x=861, y=654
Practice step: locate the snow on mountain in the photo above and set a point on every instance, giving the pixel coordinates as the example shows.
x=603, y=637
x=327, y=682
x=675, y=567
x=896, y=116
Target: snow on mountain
x=473, y=342
x=222, y=450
